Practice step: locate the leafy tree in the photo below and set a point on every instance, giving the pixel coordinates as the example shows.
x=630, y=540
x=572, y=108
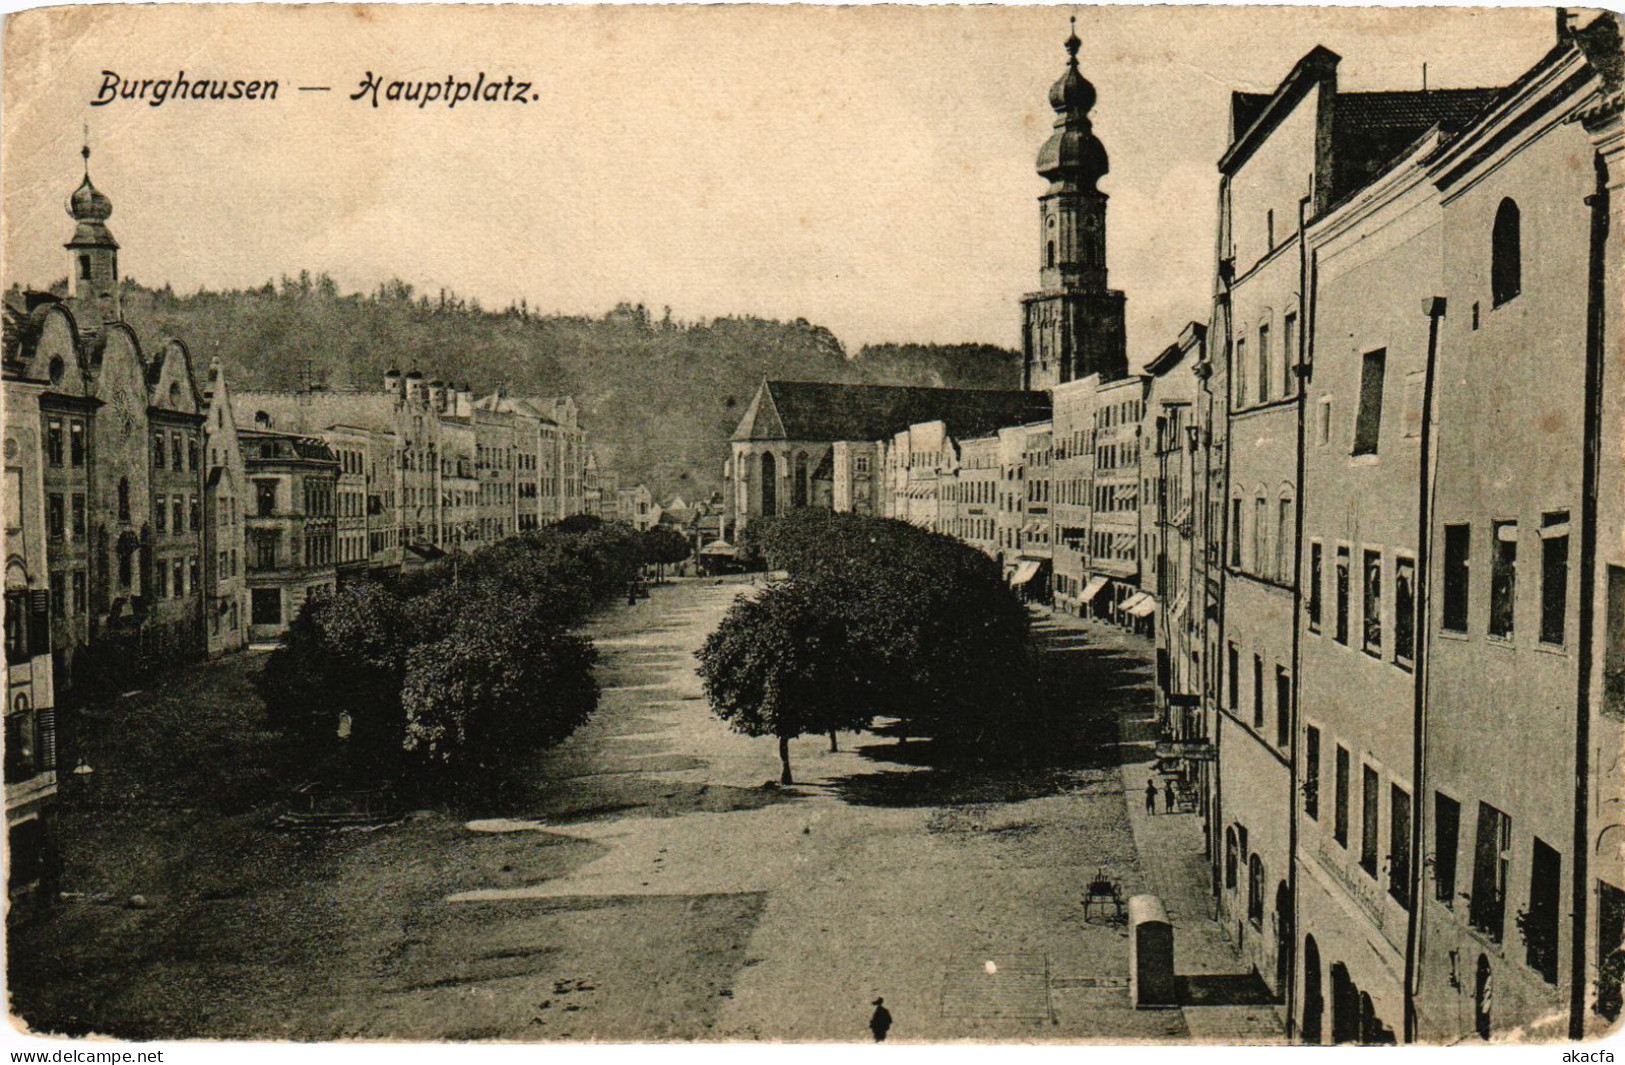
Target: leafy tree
x=665, y=546
x=928, y=622
x=503, y=682
x=776, y=666
x=338, y=670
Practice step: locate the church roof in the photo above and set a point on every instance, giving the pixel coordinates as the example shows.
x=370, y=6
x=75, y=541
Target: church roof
x=807, y=410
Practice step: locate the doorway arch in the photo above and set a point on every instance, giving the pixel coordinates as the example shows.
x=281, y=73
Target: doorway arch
x=1314, y=1003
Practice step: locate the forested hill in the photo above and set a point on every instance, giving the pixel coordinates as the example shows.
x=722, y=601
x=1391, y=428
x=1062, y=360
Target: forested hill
x=659, y=396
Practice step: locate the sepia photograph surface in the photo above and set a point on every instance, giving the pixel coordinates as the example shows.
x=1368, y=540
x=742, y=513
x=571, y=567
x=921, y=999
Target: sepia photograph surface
x=706, y=524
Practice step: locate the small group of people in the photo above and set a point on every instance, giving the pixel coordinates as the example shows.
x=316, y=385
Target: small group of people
x=1170, y=797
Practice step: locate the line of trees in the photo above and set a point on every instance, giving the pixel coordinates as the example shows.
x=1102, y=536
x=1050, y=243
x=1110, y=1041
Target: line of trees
x=876, y=619
x=451, y=671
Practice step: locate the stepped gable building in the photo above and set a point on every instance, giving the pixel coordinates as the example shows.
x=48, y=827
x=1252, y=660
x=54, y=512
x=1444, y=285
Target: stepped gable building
x=1073, y=325
x=791, y=427
x=122, y=431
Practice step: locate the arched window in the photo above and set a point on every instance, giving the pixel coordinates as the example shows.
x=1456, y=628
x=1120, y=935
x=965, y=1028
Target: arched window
x=1049, y=254
x=770, y=484
x=123, y=499
x=799, y=489
x=262, y=419
x=1506, y=254
x=1231, y=856
x=1255, y=890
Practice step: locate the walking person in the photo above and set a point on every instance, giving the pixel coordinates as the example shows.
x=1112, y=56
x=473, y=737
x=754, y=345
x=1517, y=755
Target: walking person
x=880, y=1020
x=1168, y=796
x=1150, y=796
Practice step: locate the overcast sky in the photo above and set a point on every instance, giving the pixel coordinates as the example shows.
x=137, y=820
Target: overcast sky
x=870, y=169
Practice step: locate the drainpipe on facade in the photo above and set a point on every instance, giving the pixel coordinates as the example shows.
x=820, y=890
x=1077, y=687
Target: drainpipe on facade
x=1596, y=291
x=1304, y=354
x=1226, y=279
x=1421, y=614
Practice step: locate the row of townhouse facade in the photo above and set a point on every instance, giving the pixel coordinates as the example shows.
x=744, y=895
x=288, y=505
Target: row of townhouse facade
x=1372, y=511
x=1404, y=559
x=153, y=516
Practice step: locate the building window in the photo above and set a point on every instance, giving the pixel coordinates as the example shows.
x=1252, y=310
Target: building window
x=1503, y=577
x=1315, y=563
x=1311, y=772
x=1539, y=923
x=1399, y=845
x=1240, y=372
x=175, y=456
x=124, y=499
x=1404, y=610
x=1370, y=801
x=1506, y=254
x=1492, y=854
x=195, y=515
x=1446, y=841
x=1458, y=541
x=1258, y=692
x=158, y=451
x=162, y=577
x=179, y=569
x=265, y=498
x=80, y=588
x=1235, y=679
x=56, y=518
x=76, y=442
x=1265, y=373
x=1368, y=425
x=1325, y=427
x=1231, y=857
x=1340, y=581
x=1283, y=707
x=1289, y=351
x=1255, y=890
x=1372, y=584
x=78, y=516
x=53, y=441
x=1261, y=528
x=1340, y=822
x=160, y=514
x=84, y=267
x=265, y=606
x=178, y=514
x=1235, y=533
x=1554, y=576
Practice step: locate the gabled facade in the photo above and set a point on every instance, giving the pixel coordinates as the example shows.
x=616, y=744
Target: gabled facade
x=225, y=602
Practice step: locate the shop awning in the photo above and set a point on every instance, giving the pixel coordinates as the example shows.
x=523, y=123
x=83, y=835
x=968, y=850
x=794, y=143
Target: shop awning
x=1144, y=608
x=719, y=547
x=1092, y=589
x=1026, y=570
x=1132, y=601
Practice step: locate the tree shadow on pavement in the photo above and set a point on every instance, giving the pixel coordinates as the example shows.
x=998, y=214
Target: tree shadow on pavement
x=1085, y=693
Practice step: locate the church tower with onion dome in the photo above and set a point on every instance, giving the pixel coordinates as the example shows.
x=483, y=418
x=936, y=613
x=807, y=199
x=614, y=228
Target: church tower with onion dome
x=1073, y=325
x=93, y=271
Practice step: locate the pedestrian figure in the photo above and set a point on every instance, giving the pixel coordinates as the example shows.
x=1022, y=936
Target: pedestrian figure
x=880, y=1020
x=1168, y=797
x=1150, y=796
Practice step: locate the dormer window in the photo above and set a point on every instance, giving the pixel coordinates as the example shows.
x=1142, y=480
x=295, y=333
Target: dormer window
x=1506, y=254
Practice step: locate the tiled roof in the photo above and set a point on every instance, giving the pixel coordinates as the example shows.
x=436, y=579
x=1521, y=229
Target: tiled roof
x=263, y=446
x=805, y=410
x=1372, y=129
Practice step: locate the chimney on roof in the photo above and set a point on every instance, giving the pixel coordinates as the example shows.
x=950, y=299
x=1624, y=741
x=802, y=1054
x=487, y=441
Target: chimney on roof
x=392, y=382
x=1566, y=23
x=414, y=388
x=437, y=395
